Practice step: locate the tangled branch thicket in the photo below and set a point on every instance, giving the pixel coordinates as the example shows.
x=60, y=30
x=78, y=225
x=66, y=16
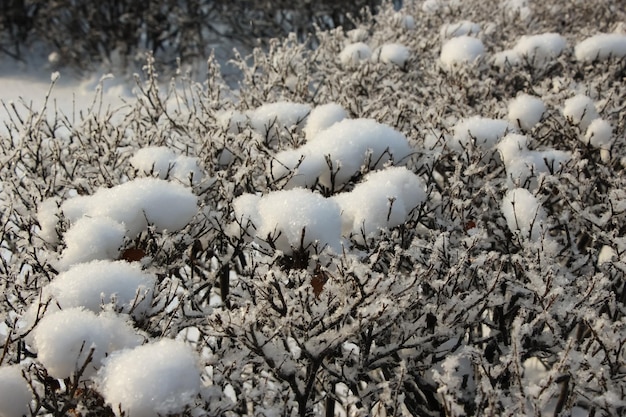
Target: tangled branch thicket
x=445, y=314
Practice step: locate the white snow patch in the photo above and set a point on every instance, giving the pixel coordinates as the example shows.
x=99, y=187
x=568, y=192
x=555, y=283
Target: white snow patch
x=598, y=134
x=393, y=53
x=526, y=111
x=167, y=164
x=63, y=340
x=271, y=119
x=403, y=21
x=48, y=213
x=601, y=47
x=580, y=110
x=461, y=28
x=322, y=117
x=159, y=378
x=355, y=53
x=481, y=132
x=461, y=50
x=541, y=48
x=15, y=394
x=523, y=213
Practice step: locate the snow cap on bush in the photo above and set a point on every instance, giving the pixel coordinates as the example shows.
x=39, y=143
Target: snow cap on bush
x=598, y=134
x=526, y=111
x=482, y=132
x=48, y=213
x=292, y=218
x=601, y=47
x=158, y=378
x=64, y=338
x=272, y=118
x=461, y=28
x=384, y=199
x=137, y=203
x=355, y=53
x=538, y=49
x=94, y=284
x=167, y=164
x=91, y=238
x=15, y=393
x=392, y=53
x=349, y=145
x=461, y=50
x=523, y=213
x=580, y=110
x=322, y=117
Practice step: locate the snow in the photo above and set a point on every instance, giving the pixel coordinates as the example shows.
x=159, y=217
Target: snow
x=63, y=340
x=355, y=53
x=478, y=131
x=598, y=134
x=461, y=28
x=601, y=47
x=167, y=164
x=349, y=144
x=48, y=214
x=523, y=213
x=137, y=203
x=461, y=50
x=384, y=199
x=404, y=21
x=580, y=110
x=91, y=238
x=539, y=49
x=525, y=111
x=271, y=119
x=95, y=284
x=231, y=121
x=393, y=53
x=158, y=378
x=15, y=394
x=322, y=117
x=291, y=219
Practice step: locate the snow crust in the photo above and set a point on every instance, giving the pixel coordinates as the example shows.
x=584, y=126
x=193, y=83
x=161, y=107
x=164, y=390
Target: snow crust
x=63, y=340
x=15, y=394
x=349, y=145
x=601, y=47
x=461, y=50
x=158, y=378
x=523, y=213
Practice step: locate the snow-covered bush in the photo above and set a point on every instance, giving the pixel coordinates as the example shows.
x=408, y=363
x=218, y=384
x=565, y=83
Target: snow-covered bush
x=15, y=394
x=443, y=237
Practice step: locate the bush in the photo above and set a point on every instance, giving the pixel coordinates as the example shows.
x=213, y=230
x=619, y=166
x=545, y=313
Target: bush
x=482, y=273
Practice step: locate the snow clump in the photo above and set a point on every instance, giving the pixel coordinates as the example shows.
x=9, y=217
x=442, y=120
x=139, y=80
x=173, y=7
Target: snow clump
x=355, y=53
x=461, y=50
x=270, y=119
x=580, y=110
x=322, y=117
x=598, y=134
x=64, y=339
x=290, y=219
x=462, y=28
x=15, y=394
x=481, y=132
x=159, y=378
x=601, y=47
x=404, y=21
x=539, y=49
x=526, y=111
x=99, y=283
x=48, y=213
x=523, y=213
x=167, y=164
x=384, y=199
x=137, y=203
x=338, y=153
x=393, y=53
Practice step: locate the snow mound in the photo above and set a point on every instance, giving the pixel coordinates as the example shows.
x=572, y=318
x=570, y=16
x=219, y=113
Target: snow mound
x=403, y=21
x=461, y=28
x=580, y=110
x=231, y=121
x=393, y=53
x=601, y=47
x=159, y=378
x=63, y=340
x=167, y=164
x=290, y=219
x=355, y=53
x=137, y=203
x=48, y=213
x=539, y=49
x=523, y=213
x=461, y=50
x=598, y=134
x=272, y=118
x=15, y=394
x=337, y=154
x=478, y=131
x=384, y=199
x=94, y=284
x=322, y=117
x=526, y=111
x=92, y=238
